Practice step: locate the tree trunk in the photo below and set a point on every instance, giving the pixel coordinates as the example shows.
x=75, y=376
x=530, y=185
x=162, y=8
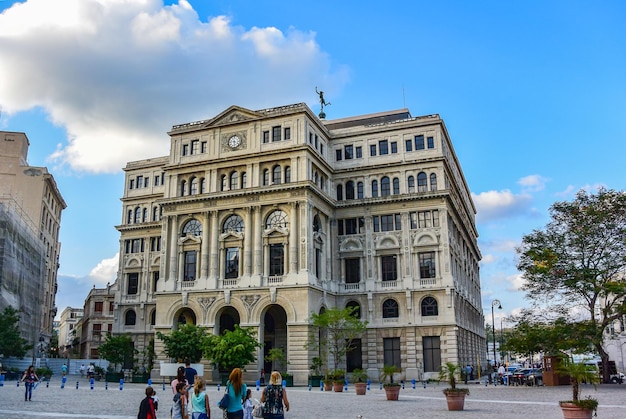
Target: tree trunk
x=606, y=371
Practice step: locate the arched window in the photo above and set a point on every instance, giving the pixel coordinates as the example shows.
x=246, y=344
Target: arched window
x=396, y=186
x=429, y=307
x=356, y=307
x=374, y=189
x=433, y=182
x=276, y=175
x=233, y=223
x=155, y=214
x=153, y=318
x=234, y=180
x=193, y=188
x=223, y=183
x=385, y=187
x=350, y=190
x=339, y=192
x=129, y=217
x=359, y=190
x=390, y=309
x=244, y=180
x=287, y=174
x=277, y=219
x=266, y=177
x=422, y=182
x=130, y=318
x=411, y=184
x=193, y=227
x=144, y=218
x=183, y=188
x=137, y=215
x=202, y=185
x=315, y=178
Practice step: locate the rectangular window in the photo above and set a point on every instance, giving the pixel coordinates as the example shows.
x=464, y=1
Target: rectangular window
x=110, y=327
x=287, y=133
x=419, y=142
x=156, y=180
x=132, y=184
x=386, y=223
x=185, y=149
x=432, y=353
x=203, y=147
x=232, y=263
x=146, y=182
x=353, y=270
x=162, y=178
x=111, y=307
x=408, y=145
x=266, y=136
x=276, y=133
x=427, y=264
x=391, y=352
x=389, y=268
x=359, y=152
x=155, y=244
x=97, y=329
x=318, y=263
x=338, y=155
x=190, y=265
x=136, y=246
x=98, y=306
x=349, y=152
x=133, y=283
x=155, y=279
x=383, y=147
x=322, y=149
x=310, y=138
x=316, y=141
x=394, y=147
x=430, y=142
x=354, y=356
x=277, y=259
x=372, y=150
x=195, y=146
x=139, y=181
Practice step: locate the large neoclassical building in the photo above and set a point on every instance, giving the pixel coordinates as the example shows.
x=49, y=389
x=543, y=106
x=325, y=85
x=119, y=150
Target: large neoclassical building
x=261, y=217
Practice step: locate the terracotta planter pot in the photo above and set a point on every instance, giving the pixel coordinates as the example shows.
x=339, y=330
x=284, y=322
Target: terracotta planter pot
x=360, y=388
x=392, y=392
x=328, y=386
x=337, y=387
x=456, y=400
x=571, y=411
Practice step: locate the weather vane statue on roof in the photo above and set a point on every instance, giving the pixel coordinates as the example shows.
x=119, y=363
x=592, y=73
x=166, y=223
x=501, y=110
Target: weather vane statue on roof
x=323, y=103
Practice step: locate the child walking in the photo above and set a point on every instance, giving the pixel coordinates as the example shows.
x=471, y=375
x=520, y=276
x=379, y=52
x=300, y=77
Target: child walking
x=248, y=405
x=179, y=410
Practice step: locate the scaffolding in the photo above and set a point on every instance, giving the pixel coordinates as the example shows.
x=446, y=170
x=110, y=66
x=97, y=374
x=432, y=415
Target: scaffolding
x=22, y=267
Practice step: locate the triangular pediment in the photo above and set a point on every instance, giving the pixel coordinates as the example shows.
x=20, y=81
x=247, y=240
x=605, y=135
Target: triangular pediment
x=233, y=115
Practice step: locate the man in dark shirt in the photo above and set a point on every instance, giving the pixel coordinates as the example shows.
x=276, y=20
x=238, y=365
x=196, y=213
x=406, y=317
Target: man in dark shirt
x=190, y=373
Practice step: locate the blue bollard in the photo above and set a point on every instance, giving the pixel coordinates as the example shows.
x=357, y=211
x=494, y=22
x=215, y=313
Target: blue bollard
x=424, y=382
x=258, y=385
x=321, y=385
x=106, y=385
x=76, y=385
x=284, y=383
x=149, y=381
x=380, y=385
x=163, y=382
x=121, y=384
x=1, y=380
x=402, y=384
x=309, y=387
x=413, y=383
x=368, y=384
x=47, y=383
x=91, y=382
x=345, y=384
x=218, y=387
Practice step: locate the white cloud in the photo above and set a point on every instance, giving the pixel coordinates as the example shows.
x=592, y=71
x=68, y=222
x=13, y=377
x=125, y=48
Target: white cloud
x=105, y=271
x=492, y=205
x=533, y=183
x=117, y=74
x=488, y=259
x=515, y=282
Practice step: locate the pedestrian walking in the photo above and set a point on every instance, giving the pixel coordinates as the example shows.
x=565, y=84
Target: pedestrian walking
x=275, y=398
x=82, y=370
x=180, y=378
x=236, y=390
x=64, y=370
x=29, y=378
x=190, y=373
x=248, y=406
x=179, y=409
x=200, y=401
x=147, y=408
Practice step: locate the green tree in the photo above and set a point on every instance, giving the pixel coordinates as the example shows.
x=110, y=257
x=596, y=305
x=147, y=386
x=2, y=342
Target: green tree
x=574, y=268
x=11, y=342
x=185, y=343
x=53, y=348
x=232, y=349
x=334, y=331
x=118, y=350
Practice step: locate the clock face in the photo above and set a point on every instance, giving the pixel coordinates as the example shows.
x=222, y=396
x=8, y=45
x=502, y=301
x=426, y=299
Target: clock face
x=234, y=141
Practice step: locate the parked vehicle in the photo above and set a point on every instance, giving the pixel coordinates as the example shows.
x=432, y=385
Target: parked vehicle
x=534, y=377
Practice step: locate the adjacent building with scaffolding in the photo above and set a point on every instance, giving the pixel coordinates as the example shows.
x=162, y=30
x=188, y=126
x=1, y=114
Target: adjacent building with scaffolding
x=30, y=218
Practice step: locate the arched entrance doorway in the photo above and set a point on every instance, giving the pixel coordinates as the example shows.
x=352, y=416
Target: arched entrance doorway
x=229, y=317
x=274, y=336
x=184, y=316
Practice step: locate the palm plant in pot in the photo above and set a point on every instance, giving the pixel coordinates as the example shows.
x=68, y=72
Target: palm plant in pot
x=338, y=377
x=578, y=373
x=360, y=381
x=392, y=389
x=455, y=396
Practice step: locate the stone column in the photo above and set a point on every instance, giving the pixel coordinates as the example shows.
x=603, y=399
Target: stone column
x=204, y=252
x=247, y=244
x=258, y=242
x=173, y=244
x=213, y=264
x=293, y=239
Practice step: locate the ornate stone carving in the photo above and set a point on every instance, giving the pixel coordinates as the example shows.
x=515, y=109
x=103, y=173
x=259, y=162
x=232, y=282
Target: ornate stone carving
x=206, y=302
x=250, y=300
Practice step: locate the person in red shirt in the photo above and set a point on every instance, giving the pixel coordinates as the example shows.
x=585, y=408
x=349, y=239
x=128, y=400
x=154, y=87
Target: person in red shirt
x=146, y=407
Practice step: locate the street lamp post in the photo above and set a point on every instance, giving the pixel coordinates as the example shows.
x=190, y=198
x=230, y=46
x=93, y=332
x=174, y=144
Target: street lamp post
x=494, y=303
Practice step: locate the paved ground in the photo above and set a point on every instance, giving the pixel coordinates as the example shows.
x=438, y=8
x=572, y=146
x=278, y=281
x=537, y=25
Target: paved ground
x=484, y=402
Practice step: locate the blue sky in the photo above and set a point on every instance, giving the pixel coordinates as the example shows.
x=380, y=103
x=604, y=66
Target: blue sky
x=533, y=95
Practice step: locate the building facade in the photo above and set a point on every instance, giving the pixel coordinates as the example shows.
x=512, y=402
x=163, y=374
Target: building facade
x=30, y=193
x=96, y=322
x=68, y=321
x=260, y=218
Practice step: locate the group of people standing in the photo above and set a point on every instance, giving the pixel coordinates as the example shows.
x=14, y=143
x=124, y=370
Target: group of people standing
x=191, y=401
